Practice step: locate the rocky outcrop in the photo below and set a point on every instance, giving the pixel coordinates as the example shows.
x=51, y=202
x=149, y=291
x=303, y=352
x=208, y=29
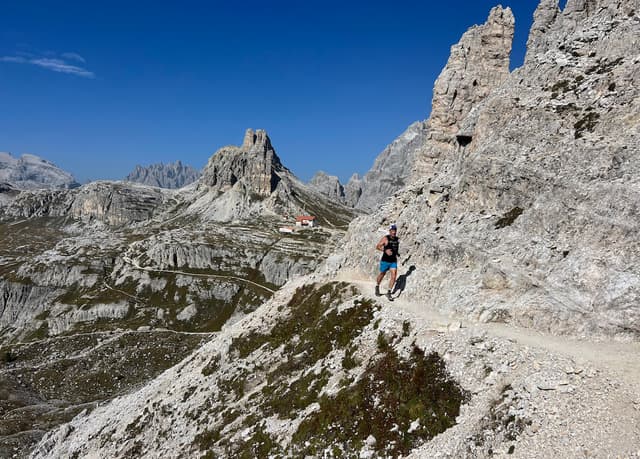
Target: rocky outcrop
x=174, y=175
x=531, y=218
x=353, y=190
x=254, y=164
x=328, y=185
x=478, y=64
x=31, y=172
x=114, y=203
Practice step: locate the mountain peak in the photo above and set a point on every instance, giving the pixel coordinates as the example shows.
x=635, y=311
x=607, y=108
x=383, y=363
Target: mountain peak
x=256, y=140
x=254, y=164
x=33, y=172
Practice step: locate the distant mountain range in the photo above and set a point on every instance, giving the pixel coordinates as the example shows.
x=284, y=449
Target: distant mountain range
x=173, y=175
x=30, y=172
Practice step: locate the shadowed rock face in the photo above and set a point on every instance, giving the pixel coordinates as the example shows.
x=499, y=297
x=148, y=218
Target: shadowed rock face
x=175, y=175
x=392, y=168
x=329, y=185
x=388, y=174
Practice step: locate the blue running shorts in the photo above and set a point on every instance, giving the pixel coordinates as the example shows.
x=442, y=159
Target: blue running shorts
x=387, y=265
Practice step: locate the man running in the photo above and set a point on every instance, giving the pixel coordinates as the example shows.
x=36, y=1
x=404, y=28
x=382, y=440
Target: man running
x=389, y=246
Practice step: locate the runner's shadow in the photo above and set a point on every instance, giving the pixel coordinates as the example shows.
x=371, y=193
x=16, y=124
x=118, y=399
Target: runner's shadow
x=401, y=281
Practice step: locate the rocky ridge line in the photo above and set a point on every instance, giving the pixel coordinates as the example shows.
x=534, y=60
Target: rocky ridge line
x=30, y=172
x=173, y=175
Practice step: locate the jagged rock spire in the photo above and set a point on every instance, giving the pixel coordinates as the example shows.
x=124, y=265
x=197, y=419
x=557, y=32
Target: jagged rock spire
x=543, y=18
x=254, y=163
x=478, y=64
x=256, y=140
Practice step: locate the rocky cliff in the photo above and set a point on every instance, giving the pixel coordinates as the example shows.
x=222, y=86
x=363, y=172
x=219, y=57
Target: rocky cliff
x=328, y=185
x=174, y=175
x=522, y=209
x=32, y=172
x=391, y=169
x=114, y=203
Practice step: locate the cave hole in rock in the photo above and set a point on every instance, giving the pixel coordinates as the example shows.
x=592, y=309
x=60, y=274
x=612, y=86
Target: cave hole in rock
x=464, y=140
x=175, y=260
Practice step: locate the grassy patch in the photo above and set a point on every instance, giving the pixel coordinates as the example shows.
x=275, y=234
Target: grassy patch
x=318, y=332
x=349, y=361
x=287, y=401
x=212, y=366
x=384, y=402
x=107, y=370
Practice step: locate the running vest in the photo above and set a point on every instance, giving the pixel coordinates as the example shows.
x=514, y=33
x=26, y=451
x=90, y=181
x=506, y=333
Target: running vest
x=393, y=243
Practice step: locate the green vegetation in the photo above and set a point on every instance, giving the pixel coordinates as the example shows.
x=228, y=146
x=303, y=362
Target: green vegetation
x=385, y=401
x=401, y=402
x=406, y=328
x=259, y=445
x=287, y=401
x=212, y=366
x=312, y=331
x=587, y=123
x=508, y=218
x=107, y=370
x=318, y=333
x=349, y=361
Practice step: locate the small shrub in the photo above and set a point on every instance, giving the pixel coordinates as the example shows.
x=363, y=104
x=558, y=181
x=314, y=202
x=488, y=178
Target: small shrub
x=382, y=342
x=349, y=361
x=212, y=366
x=508, y=218
x=586, y=123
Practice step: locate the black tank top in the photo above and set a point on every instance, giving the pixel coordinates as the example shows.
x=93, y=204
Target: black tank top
x=393, y=243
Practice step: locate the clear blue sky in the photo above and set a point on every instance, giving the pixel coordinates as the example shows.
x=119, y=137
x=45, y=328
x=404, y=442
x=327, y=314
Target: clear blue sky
x=98, y=87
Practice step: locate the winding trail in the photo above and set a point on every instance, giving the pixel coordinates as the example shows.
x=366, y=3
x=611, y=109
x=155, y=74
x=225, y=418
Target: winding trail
x=622, y=358
x=211, y=276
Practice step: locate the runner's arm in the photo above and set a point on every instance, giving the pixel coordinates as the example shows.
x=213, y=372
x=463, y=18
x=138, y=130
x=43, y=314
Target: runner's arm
x=381, y=244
